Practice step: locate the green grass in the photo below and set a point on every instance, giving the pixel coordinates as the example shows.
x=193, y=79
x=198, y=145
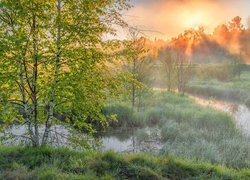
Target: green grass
x=163, y=106
x=125, y=117
x=48, y=163
x=189, y=130
x=200, y=133
x=195, y=139
x=235, y=89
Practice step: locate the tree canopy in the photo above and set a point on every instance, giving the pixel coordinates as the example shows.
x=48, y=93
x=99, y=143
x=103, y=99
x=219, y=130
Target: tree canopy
x=54, y=63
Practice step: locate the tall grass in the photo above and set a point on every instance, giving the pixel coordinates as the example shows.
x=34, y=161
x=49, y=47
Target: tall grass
x=48, y=163
x=234, y=90
x=195, y=132
x=201, y=133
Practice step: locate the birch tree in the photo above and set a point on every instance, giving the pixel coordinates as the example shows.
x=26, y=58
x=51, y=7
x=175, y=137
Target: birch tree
x=53, y=63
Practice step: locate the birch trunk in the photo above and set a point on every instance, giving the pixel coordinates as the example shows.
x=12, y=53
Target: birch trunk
x=34, y=80
x=57, y=68
x=24, y=101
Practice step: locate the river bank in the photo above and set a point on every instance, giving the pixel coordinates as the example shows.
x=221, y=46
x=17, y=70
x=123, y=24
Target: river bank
x=50, y=163
x=177, y=125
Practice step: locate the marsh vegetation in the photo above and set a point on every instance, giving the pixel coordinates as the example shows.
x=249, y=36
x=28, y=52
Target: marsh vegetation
x=86, y=95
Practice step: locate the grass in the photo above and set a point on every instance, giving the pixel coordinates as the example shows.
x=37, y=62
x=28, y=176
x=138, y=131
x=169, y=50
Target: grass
x=195, y=139
x=191, y=131
x=235, y=89
x=201, y=133
x=49, y=163
x=170, y=106
x=125, y=117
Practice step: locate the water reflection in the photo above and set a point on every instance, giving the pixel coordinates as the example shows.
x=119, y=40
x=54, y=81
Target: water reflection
x=144, y=139
x=240, y=113
x=149, y=140
x=18, y=134
x=140, y=140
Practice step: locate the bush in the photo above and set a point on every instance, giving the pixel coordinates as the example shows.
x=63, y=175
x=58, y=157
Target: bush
x=139, y=119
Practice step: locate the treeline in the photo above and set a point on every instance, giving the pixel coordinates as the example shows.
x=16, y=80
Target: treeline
x=175, y=62
x=227, y=43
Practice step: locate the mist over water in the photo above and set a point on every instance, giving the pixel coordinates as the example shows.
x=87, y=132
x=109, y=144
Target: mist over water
x=88, y=92
x=240, y=113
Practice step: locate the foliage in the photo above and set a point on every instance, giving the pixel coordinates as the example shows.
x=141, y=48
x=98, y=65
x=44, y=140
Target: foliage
x=138, y=66
x=54, y=60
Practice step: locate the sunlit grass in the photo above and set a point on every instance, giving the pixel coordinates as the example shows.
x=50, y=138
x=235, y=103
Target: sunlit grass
x=49, y=163
x=233, y=90
x=192, y=131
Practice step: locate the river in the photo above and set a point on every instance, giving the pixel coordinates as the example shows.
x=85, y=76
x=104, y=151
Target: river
x=239, y=112
x=149, y=139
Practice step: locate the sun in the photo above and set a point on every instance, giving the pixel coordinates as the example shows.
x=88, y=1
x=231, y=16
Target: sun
x=197, y=27
x=195, y=20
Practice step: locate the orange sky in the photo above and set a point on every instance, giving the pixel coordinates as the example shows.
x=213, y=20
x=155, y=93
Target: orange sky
x=168, y=18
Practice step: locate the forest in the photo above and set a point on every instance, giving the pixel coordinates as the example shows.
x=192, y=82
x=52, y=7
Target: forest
x=87, y=94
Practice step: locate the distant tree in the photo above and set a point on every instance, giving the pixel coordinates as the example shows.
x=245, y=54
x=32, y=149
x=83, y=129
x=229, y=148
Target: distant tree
x=237, y=65
x=235, y=25
x=136, y=64
x=168, y=60
x=245, y=46
x=237, y=30
x=221, y=35
x=186, y=41
x=183, y=71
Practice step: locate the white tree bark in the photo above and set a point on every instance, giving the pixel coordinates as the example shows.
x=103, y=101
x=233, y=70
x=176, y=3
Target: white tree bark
x=55, y=82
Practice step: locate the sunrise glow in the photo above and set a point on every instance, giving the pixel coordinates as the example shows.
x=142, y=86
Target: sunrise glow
x=125, y=89
x=195, y=20
x=171, y=17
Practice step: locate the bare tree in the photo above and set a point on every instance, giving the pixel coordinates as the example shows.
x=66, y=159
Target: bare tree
x=183, y=72
x=168, y=59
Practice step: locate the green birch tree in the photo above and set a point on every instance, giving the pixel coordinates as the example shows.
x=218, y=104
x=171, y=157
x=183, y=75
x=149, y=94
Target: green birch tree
x=53, y=63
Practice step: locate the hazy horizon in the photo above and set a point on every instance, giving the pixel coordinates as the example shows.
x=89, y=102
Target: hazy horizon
x=168, y=18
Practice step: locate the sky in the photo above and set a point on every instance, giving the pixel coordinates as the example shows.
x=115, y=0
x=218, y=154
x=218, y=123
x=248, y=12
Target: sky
x=168, y=18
